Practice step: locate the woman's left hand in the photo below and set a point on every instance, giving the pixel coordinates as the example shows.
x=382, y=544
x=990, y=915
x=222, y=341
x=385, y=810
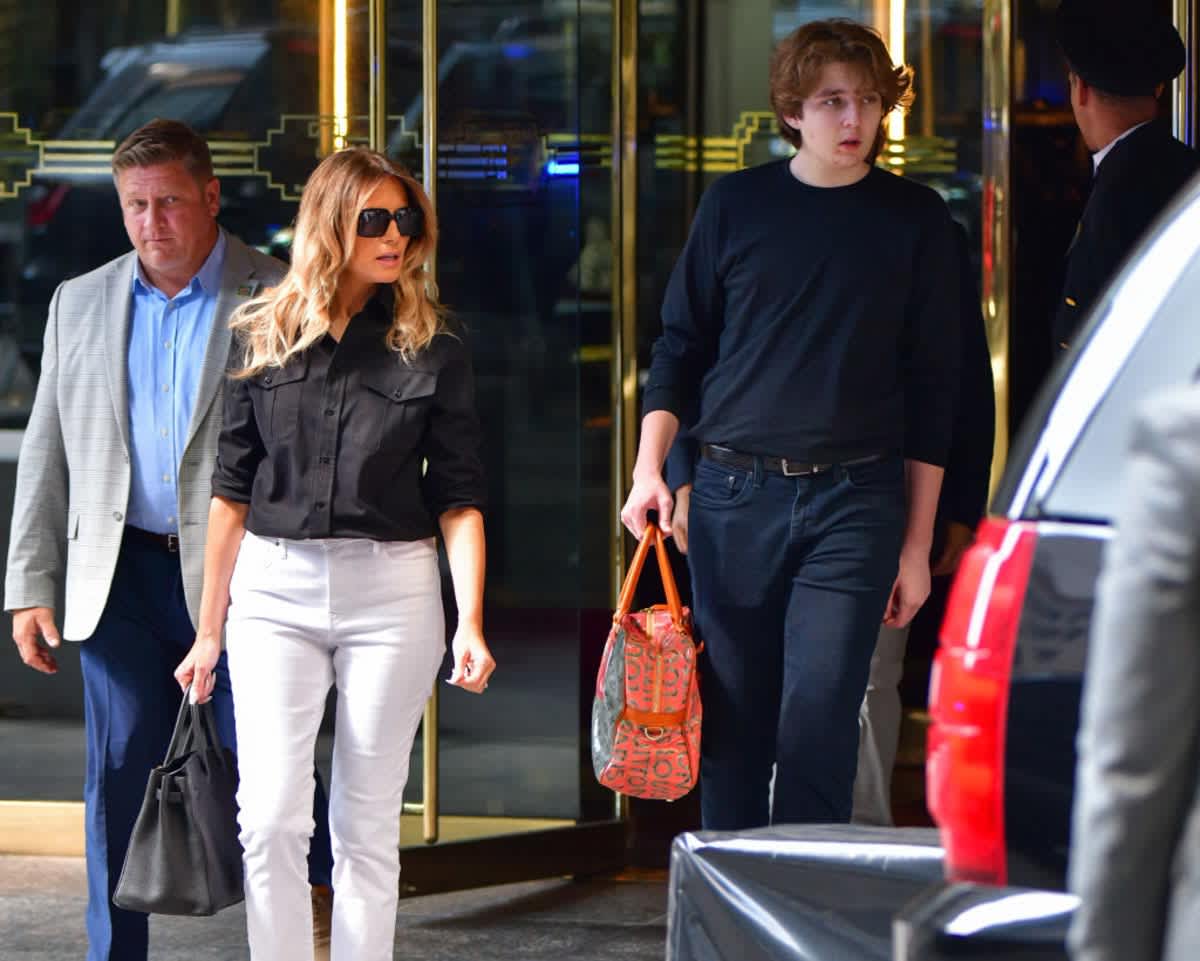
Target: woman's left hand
x=473, y=662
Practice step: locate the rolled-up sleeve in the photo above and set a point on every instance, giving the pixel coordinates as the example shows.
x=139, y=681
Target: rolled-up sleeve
x=454, y=475
x=240, y=446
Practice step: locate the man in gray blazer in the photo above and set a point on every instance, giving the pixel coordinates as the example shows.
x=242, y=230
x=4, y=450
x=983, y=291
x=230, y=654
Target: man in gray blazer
x=113, y=487
x=1135, y=848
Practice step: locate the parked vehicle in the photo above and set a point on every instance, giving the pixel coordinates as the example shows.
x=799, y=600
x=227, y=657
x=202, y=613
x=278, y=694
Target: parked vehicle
x=1008, y=677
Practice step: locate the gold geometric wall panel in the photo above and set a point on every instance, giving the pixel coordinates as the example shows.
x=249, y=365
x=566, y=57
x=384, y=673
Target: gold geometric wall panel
x=291, y=149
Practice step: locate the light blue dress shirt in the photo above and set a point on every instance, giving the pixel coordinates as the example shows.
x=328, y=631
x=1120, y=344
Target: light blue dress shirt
x=167, y=341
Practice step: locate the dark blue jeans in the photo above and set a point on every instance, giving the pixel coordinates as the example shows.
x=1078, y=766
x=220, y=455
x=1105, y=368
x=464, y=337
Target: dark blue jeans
x=131, y=700
x=790, y=578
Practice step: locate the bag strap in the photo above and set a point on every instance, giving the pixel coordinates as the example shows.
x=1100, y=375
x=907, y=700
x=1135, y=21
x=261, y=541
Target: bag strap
x=181, y=737
x=195, y=729
x=651, y=538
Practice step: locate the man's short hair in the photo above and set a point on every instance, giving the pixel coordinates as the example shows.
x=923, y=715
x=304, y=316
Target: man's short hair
x=163, y=142
x=798, y=59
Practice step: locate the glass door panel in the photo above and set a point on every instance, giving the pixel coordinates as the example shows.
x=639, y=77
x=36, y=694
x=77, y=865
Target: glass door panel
x=252, y=77
x=523, y=95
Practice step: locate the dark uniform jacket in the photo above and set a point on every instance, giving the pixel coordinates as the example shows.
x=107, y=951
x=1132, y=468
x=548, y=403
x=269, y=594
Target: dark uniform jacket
x=1133, y=185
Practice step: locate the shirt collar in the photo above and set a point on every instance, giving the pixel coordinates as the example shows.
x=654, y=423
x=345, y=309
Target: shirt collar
x=208, y=277
x=1099, y=155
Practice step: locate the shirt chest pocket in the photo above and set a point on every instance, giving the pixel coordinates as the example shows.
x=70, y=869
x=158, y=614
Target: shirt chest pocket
x=280, y=398
x=397, y=406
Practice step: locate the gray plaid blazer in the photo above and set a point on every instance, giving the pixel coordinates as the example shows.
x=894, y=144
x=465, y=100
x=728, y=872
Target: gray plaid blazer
x=73, y=474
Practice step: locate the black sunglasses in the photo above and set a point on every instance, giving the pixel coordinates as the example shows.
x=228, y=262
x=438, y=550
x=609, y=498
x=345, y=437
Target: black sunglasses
x=373, y=222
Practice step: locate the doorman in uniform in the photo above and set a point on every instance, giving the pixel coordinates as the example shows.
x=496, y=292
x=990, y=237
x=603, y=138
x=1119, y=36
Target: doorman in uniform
x=1120, y=56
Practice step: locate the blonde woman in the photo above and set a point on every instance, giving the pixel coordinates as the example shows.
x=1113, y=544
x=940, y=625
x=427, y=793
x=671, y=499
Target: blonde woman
x=350, y=438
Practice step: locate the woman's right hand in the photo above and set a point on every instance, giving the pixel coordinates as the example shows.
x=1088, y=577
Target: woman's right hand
x=648, y=494
x=197, y=668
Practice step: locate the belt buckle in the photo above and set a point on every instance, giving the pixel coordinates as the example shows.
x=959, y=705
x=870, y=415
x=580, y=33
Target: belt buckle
x=802, y=470
x=173, y=543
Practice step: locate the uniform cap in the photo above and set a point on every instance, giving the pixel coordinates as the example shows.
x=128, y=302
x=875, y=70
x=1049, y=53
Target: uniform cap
x=1119, y=47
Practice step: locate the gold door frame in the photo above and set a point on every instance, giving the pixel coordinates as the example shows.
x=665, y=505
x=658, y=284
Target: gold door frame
x=1183, y=88
x=997, y=205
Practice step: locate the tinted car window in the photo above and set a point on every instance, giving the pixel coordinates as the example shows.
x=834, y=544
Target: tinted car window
x=1143, y=338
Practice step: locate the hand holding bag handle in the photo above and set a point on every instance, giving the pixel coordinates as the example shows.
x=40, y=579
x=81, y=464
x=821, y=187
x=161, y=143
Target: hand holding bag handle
x=652, y=537
x=184, y=856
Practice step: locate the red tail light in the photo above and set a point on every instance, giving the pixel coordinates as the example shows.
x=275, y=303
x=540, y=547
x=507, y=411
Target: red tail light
x=44, y=203
x=968, y=701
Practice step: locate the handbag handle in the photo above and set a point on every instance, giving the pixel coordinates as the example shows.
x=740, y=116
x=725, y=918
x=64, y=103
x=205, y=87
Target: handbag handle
x=195, y=727
x=651, y=537
x=182, y=735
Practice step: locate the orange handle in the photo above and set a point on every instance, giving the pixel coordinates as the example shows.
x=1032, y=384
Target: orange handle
x=652, y=537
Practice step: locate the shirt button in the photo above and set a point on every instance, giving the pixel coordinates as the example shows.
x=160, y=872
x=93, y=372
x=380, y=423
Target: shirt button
x=171, y=519
x=329, y=411
x=166, y=478
x=118, y=516
x=320, y=505
x=164, y=432
x=167, y=344
x=166, y=388
x=326, y=460
x=267, y=379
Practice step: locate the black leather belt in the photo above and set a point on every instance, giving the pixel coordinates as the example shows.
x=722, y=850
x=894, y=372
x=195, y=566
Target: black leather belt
x=166, y=542
x=777, y=465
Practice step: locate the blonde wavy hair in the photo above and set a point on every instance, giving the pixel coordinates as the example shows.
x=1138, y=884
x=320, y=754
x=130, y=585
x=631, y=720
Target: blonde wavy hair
x=288, y=319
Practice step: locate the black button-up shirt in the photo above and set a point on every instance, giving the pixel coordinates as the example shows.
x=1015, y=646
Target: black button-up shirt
x=349, y=440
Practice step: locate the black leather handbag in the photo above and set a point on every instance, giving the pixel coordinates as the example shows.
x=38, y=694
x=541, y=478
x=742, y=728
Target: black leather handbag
x=184, y=856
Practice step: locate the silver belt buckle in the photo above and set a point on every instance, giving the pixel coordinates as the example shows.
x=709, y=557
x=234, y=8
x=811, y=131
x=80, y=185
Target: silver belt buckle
x=173, y=543
x=787, y=469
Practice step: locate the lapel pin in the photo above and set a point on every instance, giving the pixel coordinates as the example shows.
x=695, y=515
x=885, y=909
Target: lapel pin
x=245, y=290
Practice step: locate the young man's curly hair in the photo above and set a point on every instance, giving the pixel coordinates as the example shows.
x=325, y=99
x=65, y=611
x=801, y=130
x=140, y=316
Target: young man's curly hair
x=798, y=59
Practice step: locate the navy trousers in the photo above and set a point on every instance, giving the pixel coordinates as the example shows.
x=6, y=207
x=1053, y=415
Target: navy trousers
x=131, y=700
x=790, y=578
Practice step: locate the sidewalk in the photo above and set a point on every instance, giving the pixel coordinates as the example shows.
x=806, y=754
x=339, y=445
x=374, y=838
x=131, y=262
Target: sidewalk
x=42, y=904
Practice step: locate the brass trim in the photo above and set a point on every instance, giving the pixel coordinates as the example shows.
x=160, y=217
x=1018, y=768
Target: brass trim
x=997, y=222
x=624, y=289
x=429, y=156
x=377, y=75
x=926, y=103
x=174, y=18
x=42, y=828
x=430, y=769
x=56, y=828
x=325, y=76
x=341, y=75
x=1183, y=86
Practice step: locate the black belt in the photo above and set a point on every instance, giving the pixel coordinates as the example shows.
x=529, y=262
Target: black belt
x=167, y=542
x=777, y=465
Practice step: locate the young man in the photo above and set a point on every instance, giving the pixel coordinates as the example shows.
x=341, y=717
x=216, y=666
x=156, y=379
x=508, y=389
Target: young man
x=113, y=486
x=810, y=326
x=1120, y=55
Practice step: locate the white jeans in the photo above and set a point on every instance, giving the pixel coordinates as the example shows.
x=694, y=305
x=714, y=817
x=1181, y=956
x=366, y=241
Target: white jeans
x=366, y=616
x=879, y=720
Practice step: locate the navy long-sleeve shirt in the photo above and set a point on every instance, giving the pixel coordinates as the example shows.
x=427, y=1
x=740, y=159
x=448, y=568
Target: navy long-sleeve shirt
x=818, y=324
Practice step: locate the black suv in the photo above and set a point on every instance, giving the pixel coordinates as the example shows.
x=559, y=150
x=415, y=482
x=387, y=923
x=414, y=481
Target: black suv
x=1007, y=681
